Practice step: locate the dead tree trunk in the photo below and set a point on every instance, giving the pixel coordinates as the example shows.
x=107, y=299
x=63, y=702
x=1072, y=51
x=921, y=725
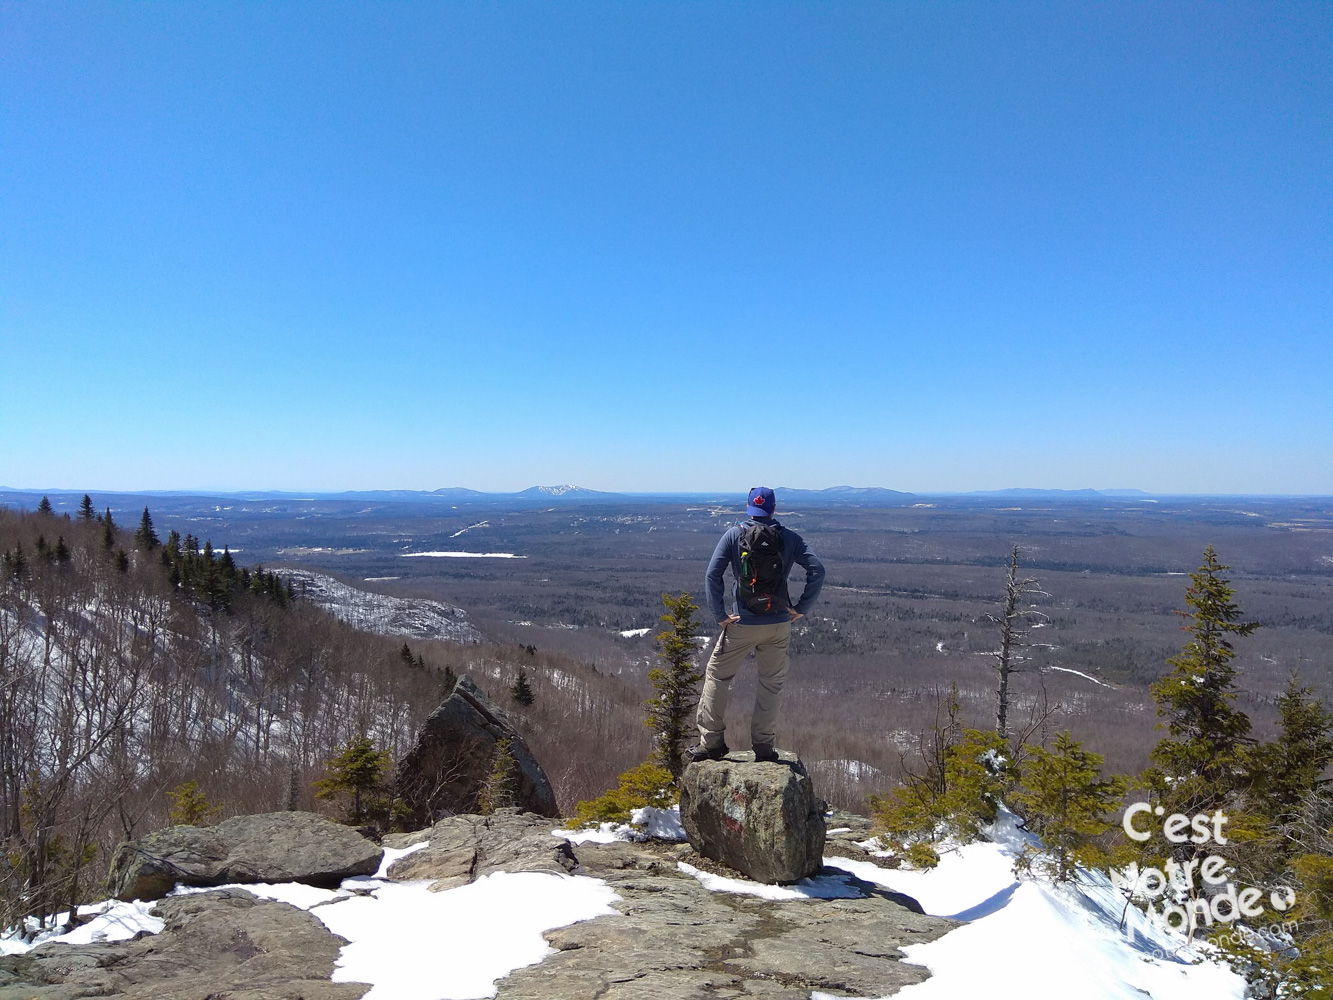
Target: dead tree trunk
x=1013, y=623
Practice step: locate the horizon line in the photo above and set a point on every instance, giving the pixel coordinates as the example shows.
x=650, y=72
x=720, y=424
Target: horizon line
x=1110, y=493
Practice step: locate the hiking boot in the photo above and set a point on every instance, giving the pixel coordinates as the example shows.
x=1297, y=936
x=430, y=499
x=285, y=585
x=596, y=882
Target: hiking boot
x=765, y=752
x=701, y=752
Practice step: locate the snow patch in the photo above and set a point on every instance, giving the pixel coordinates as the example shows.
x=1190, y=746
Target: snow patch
x=414, y=617
x=461, y=555
x=1080, y=673
x=1048, y=940
x=819, y=887
x=111, y=921
x=660, y=824
x=646, y=823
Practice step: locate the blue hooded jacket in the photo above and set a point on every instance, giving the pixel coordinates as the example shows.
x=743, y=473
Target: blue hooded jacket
x=728, y=553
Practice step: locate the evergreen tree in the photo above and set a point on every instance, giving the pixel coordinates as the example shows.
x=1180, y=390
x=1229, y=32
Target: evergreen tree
x=190, y=807
x=1066, y=801
x=405, y=654
x=1283, y=772
x=675, y=683
x=16, y=563
x=448, y=681
x=521, y=690
x=1200, y=762
x=648, y=784
x=501, y=788
x=108, y=531
x=45, y=507
x=957, y=792
x=146, y=537
x=86, y=512
x=357, y=771
x=62, y=551
x=122, y=561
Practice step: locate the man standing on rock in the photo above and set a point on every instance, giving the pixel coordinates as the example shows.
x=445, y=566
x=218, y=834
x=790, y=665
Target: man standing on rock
x=761, y=553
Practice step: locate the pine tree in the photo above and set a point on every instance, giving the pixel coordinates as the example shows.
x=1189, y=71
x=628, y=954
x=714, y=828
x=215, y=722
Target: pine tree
x=86, y=512
x=1200, y=762
x=108, y=531
x=146, y=537
x=62, y=551
x=1066, y=801
x=1283, y=772
x=15, y=562
x=45, y=507
x=190, y=807
x=405, y=654
x=521, y=690
x=358, y=771
x=501, y=788
x=675, y=683
x=448, y=681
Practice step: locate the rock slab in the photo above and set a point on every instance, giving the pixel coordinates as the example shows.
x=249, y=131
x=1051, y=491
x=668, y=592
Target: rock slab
x=675, y=940
x=220, y=945
x=443, y=773
x=269, y=847
x=462, y=849
x=761, y=818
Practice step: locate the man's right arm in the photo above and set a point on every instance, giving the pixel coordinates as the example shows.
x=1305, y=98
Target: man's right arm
x=717, y=567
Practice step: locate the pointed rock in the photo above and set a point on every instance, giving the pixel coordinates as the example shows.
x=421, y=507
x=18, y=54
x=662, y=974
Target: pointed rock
x=443, y=774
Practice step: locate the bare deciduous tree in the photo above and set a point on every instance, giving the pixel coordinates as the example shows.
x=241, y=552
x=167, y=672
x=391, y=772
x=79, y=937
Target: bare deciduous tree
x=1014, y=622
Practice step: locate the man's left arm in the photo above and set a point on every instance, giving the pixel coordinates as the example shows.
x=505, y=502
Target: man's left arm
x=814, y=576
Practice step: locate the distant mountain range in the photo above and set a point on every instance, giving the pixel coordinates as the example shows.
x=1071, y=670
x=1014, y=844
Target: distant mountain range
x=866, y=496
x=1067, y=494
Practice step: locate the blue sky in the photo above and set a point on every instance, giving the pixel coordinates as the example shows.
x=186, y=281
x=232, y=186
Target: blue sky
x=667, y=246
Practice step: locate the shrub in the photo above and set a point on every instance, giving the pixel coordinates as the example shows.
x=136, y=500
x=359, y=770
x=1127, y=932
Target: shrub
x=190, y=807
x=649, y=784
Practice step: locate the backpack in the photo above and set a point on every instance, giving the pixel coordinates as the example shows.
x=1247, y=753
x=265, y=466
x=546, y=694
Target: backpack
x=762, y=581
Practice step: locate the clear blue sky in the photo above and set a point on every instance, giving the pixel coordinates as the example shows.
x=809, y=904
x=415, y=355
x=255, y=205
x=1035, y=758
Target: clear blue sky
x=667, y=246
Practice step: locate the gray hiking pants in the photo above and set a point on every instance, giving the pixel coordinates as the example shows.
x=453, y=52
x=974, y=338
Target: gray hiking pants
x=770, y=643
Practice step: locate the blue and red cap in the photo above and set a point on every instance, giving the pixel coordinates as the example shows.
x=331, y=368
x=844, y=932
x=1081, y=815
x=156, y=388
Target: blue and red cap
x=762, y=502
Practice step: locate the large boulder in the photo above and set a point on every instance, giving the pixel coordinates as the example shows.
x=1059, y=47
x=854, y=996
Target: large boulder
x=761, y=818
x=270, y=847
x=443, y=773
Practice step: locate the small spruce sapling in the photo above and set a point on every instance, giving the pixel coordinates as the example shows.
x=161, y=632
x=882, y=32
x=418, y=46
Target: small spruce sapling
x=357, y=772
x=1065, y=800
x=675, y=683
x=501, y=787
x=1285, y=771
x=190, y=807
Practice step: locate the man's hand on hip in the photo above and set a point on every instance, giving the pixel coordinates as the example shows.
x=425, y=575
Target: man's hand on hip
x=794, y=614
x=729, y=620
